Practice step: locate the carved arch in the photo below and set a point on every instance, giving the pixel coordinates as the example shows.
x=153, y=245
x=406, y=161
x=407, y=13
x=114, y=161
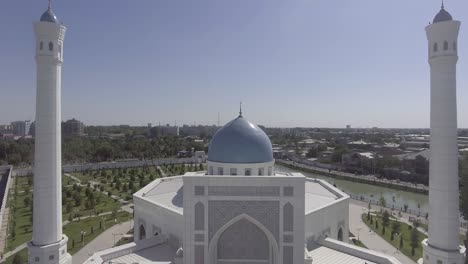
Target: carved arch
x=213, y=247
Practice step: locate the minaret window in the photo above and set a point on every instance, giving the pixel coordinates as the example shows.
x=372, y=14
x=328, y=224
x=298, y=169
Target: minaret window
x=435, y=47
x=41, y=45
x=445, y=45
x=51, y=46
x=248, y=172
x=260, y=172
x=60, y=50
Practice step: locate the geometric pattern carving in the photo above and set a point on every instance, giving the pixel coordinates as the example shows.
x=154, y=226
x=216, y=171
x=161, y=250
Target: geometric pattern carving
x=288, y=238
x=243, y=191
x=265, y=212
x=288, y=191
x=199, y=216
x=288, y=254
x=199, y=254
x=199, y=238
x=243, y=240
x=288, y=217
x=199, y=190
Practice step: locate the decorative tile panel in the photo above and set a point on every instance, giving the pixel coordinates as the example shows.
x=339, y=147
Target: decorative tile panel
x=199, y=190
x=265, y=212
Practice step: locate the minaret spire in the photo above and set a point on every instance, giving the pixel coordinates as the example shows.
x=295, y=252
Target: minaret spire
x=240, y=109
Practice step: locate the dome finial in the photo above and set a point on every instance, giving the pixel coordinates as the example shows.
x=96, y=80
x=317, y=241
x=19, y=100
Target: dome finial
x=442, y=6
x=50, y=5
x=240, y=109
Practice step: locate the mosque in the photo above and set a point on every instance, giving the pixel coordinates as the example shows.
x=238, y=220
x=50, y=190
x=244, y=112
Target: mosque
x=241, y=210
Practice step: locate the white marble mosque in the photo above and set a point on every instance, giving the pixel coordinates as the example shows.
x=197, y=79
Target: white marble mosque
x=242, y=210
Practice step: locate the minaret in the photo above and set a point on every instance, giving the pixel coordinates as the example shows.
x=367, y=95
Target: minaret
x=48, y=244
x=442, y=245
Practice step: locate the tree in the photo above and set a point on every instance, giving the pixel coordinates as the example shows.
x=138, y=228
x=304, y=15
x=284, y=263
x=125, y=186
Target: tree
x=414, y=237
x=69, y=207
x=312, y=153
x=17, y=259
x=405, y=207
x=26, y=201
x=383, y=201
x=385, y=218
x=395, y=229
x=401, y=241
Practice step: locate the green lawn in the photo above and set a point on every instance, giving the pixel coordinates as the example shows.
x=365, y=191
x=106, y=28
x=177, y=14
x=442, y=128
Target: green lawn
x=24, y=257
x=20, y=215
x=73, y=231
x=405, y=232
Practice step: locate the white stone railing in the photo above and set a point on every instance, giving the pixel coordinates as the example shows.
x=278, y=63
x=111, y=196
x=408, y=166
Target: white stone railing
x=119, y=251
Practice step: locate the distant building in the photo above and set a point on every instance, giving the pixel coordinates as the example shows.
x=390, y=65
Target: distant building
x=167, y=130
x=21, y=128
x=6, y=129
x=73, y=127
x=348, y=126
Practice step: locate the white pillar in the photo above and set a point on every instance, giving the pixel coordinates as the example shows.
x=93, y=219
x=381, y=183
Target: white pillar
x=442, y=245
x=48, y=244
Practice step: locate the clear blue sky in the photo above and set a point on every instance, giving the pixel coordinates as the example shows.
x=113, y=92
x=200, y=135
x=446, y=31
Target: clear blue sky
x=291, y=63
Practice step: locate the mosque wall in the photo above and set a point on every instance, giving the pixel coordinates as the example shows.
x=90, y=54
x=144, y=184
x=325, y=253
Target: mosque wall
x=157, y=220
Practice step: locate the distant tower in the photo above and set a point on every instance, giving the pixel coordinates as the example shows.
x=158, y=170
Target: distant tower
x=442, y=245
x=48, y=244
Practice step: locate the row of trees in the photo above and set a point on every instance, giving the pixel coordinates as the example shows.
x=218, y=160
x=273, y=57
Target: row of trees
x=91, y=149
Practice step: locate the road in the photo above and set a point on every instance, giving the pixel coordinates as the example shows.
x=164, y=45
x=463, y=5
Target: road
x=370, y=238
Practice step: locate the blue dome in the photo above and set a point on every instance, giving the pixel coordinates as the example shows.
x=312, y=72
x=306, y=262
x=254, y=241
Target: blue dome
x=240, y=141
x=442, y=16
x=49, y=16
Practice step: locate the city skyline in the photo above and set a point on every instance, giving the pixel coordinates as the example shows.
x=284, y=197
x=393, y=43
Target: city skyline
x=192, y=61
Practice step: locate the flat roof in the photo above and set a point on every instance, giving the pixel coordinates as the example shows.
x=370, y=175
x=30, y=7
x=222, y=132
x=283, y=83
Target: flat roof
x=160, y=254
x=168, y=192
x=316, y=195
x=325, y=255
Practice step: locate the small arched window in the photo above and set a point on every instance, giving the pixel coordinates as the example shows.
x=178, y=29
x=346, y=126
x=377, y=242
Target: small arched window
x=51, y=46
x=435, y=47
x=142, y=234
x=41, y=45
x=60, y=50
x=445, y=45
x=455, y=46
x=340, y=234
x=199, y=216
x=288, y=217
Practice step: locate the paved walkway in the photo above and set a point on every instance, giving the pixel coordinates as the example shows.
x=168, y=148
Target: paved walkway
x=370, y=238
x=104, y=241
x=14, y=251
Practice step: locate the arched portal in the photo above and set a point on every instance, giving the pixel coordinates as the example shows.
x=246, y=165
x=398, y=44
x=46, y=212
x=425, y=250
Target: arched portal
x=142, y=234
x=243, y=240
